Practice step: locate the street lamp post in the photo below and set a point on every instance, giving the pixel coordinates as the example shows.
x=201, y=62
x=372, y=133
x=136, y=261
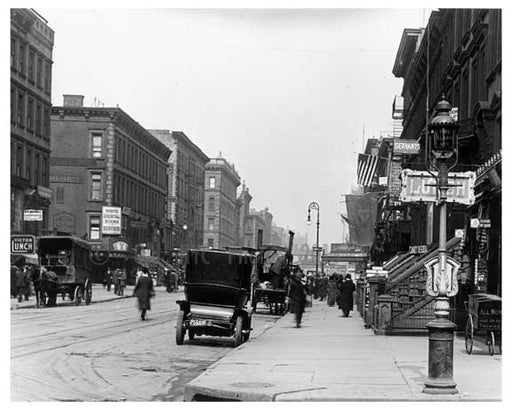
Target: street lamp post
x=442, y=133
x=314, y=205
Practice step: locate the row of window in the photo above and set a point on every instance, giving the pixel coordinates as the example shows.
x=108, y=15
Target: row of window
x=30, y=113
x=138, y=196
x=140, y=161
x=30, y=64
x=469, y=86
x=30, y=163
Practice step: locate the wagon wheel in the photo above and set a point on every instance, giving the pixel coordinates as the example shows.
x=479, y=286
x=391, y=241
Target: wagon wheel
x=468, y=334
x=180, y=328
x=490, y=342
x=238, y=330
x=88, y=292
x=78, y=296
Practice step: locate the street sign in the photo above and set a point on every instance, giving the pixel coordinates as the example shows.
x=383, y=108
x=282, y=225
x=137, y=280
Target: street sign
x=434, y=280
x=404, y=146
x=317, y=249
x=418, y=249
x=33, y=215
x=23, y=244
x=420, y=186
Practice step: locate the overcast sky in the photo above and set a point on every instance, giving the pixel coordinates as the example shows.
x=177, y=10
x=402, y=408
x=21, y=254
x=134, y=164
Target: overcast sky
x=283, y=94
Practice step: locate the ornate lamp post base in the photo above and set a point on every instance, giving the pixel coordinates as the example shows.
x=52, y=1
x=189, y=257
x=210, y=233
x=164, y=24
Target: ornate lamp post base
x=440, y=354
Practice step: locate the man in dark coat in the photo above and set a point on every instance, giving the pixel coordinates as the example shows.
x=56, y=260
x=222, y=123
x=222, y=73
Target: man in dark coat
x=322, y=287
x=20, y=283
x=144, y=291
x=297, y=295
x=347, y=295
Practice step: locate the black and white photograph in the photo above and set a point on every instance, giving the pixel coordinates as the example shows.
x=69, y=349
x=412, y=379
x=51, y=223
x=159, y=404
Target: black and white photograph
x=250, y=202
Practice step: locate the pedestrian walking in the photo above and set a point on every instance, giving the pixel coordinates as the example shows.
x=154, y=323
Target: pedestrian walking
x=331, y=290
x=107, y=281
x=144, y=291
x=27, y=292
x=297, y=296
x=20, y=283
x=322, y=287
x=339, y=284
x=115, y=281
x=347, y=295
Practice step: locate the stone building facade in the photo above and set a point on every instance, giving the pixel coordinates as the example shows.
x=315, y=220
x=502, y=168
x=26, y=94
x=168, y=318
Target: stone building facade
x=185, y=200
x=31, y=83
x=220, y=199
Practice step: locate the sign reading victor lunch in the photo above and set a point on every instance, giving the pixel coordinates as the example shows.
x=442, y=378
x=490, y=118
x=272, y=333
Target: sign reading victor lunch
x=22, y=244
x=111, y=220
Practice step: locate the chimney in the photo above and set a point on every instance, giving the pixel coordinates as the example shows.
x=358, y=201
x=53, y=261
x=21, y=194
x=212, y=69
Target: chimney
x=73, y=100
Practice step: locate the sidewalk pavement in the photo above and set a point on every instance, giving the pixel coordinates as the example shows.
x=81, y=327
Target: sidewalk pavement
x=99, y=294
x=332, y=358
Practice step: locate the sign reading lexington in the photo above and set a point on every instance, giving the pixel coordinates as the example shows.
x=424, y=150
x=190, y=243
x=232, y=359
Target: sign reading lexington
x=111, y=220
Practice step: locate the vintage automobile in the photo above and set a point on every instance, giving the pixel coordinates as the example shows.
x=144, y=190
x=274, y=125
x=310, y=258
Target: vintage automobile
x=217, y=290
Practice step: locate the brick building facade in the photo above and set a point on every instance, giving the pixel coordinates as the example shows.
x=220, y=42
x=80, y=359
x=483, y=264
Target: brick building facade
x=103, y=157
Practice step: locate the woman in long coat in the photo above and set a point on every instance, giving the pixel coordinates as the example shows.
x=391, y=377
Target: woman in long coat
x=347, y=295
x=144, y=291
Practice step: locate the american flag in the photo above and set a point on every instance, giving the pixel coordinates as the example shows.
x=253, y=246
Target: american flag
x=366, y=166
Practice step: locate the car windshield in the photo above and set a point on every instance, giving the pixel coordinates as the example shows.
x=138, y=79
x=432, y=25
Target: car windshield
x=223, y=268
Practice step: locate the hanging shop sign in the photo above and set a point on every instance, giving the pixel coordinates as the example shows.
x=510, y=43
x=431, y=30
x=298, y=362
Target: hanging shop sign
x=33, y=215
x=23, y=244
x=480, y=223
x=421, y=186
x=111, y=220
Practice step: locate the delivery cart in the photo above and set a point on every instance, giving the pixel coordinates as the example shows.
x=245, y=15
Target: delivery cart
x=483, y=319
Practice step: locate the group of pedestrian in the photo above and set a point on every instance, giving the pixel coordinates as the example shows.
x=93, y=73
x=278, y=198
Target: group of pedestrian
x=336, y=290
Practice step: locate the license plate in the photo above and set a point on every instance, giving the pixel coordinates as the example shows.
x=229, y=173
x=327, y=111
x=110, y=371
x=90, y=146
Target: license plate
x=195, y=322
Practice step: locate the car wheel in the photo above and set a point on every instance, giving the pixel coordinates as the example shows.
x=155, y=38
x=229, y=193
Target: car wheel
x=238, y=330
x=180, y=328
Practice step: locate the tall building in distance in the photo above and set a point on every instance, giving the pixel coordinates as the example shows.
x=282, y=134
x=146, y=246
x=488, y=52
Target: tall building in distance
x=31, y=83
x=185, y=199
x=220, y=223
x=103, y=158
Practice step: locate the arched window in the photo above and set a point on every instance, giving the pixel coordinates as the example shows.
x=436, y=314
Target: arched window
x=211, y=204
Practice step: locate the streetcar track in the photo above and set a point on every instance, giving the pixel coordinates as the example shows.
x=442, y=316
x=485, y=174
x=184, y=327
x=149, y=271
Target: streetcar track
x=105, y=327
